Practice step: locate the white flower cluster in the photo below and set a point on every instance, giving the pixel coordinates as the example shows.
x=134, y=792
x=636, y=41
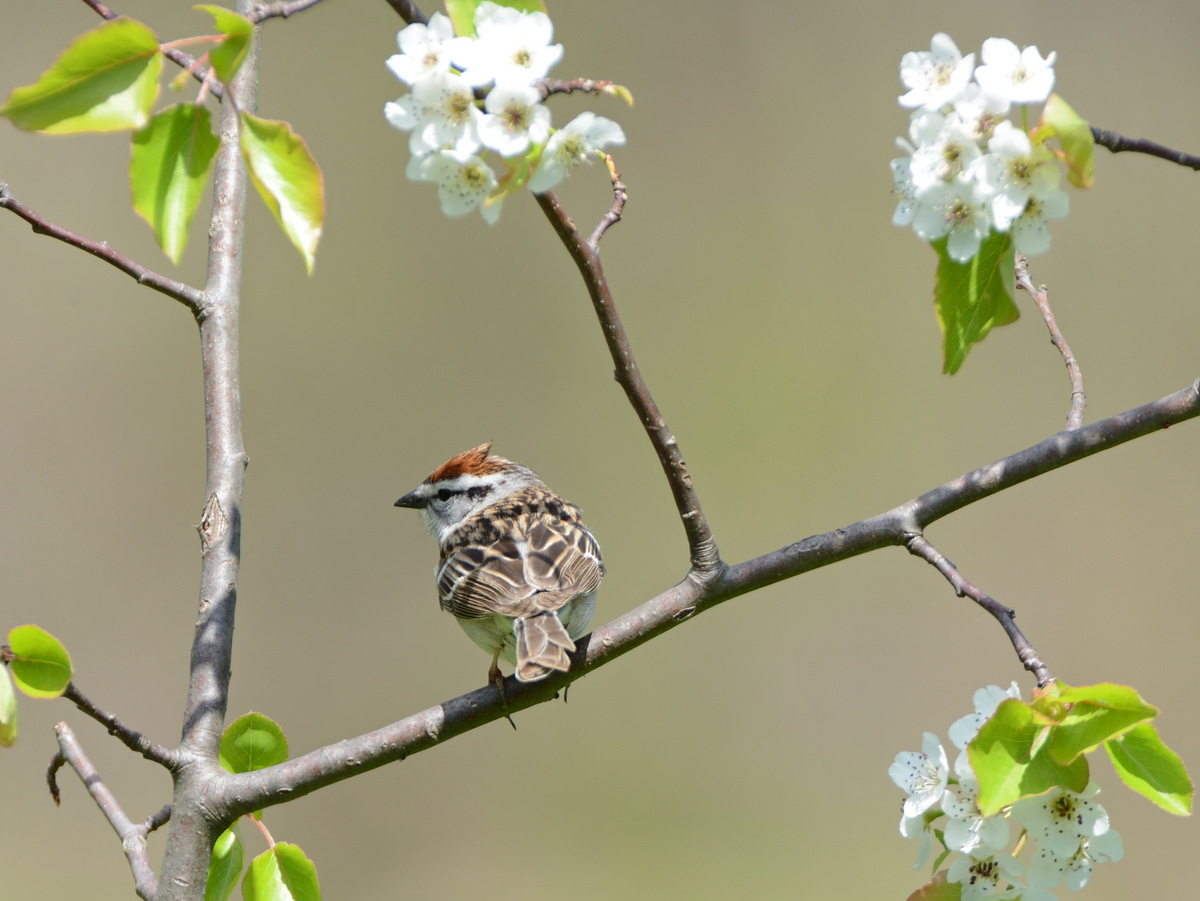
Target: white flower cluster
x=969, y=169
x=449, y=132
x=1071, y=831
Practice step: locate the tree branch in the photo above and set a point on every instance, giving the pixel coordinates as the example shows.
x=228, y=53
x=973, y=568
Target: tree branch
x=1120, y=144
x=132, y=739
x=132, y=835
x=179, y=57
x=190, y=297
x=1042, y=299
x=919, y=546
x=408, y=11
x=705, y=556
x=281, y=10
x=548, y=86
x=193, y=831
x=613, y=216
x=235, y=795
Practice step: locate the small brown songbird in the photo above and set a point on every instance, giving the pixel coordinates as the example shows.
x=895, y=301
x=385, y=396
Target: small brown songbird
x=518, y=568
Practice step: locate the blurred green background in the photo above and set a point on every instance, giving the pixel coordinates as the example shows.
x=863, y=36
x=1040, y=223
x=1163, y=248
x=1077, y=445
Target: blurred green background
x=786, y=329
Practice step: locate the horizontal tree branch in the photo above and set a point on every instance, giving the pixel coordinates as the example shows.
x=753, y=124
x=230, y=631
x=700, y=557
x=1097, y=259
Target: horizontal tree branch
x=235, y=795
x=1118, y=143
x=192, y=298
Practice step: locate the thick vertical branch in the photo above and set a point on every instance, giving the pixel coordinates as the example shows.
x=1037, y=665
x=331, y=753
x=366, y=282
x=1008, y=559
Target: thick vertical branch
x=189, y=844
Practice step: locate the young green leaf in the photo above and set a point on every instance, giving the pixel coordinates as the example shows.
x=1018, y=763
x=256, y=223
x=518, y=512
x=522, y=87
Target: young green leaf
x=281, y=873
x=1075, y=136
x=1095, y=714
x=41, y=666
x=168, y=169
x=106, y=80
x=1152, y=769
x=1010, y=758
x=227, y=56
x=252, y=742
x=288, y=179
x=462, y=12
x=225, y=866
x=8, y=710
x=973, y=297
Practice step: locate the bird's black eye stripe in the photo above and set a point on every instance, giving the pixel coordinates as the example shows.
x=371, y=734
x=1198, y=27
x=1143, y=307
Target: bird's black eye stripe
x=476, y=492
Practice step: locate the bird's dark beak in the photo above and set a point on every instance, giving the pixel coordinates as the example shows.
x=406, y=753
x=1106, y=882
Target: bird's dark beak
x=414, y=500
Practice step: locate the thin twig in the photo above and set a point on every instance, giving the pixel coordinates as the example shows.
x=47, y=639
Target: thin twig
x=190, y=297
x=280, y=10
x=613, y=216
x=179, y=57
x=548, y=86
x=244, y=792
x=132, y=835
x=157, y=820
x=1042, y=299
x=706, y=559
x=919, y=546
x=132, y=739
x=1120, y=144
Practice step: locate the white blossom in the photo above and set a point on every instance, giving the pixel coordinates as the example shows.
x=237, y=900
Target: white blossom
x=512, y=46
x=577, y=142
x=903, y=191
x=425, y=49
x=946, y=156
x=957, y=211
x=1022, y=76
x=935, y=77
x=1048, y=869
x=968, y=829
x=981, y=872
x=923, y=775
x=464, y=182
x=514, y=119
x=439, y=114
x=1029, y=232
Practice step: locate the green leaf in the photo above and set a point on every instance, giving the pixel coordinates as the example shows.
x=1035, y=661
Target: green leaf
x=971, y=298
x=288, y=179
x=41, y=666
x=106, y=80
x=168, y=169
x=1152, y=769
x=227, y=56
x=1011, y=760
x=225, y=866
x=252, y=742
x=1095, y=714
x=282, y=873
x=462, y=12
x=1075, y=136
x=8, y=710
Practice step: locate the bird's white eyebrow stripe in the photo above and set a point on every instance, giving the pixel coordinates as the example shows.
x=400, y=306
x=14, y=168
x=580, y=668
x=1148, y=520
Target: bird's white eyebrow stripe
x=460, y=482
